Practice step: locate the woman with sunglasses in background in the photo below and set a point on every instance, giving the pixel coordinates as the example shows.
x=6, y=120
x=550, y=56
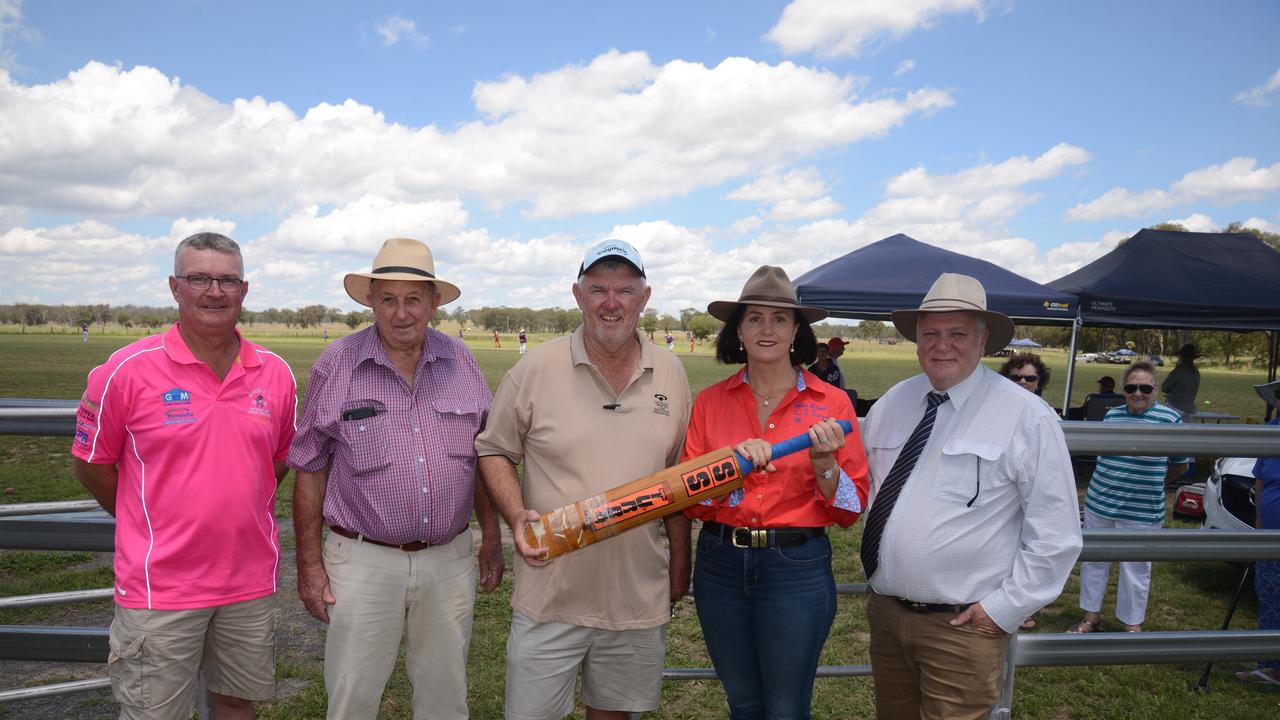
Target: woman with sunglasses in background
x=1127, y=492
x=1028, y=371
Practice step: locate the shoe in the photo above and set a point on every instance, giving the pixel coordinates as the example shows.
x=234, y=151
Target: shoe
x=1133, y=628
x=1258, y=677
x=1028, y=624
x=1085, y=626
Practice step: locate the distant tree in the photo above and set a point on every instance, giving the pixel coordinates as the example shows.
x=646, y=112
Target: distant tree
x=703, y=325
x=649, y=320
x=685, y=314
x=1170, y=226
x=1270, y=238
x=669, y=323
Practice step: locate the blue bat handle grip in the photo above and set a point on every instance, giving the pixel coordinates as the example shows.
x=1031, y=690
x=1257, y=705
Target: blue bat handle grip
x=788, y=446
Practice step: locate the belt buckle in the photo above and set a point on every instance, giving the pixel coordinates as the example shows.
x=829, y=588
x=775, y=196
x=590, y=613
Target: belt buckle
x=918, y=606
x=754, y=538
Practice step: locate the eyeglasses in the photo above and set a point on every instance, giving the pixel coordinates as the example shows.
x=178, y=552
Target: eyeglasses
x=204, y=282
x=1144, y=389
x=1025, y=378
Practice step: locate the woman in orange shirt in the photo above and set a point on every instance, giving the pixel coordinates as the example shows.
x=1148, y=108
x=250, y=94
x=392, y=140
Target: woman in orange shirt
x=763, y=584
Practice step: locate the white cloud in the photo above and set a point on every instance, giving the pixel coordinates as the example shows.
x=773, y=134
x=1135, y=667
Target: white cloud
x=1258, y=223
x=982, y=179
x=1197, y=222
x=1258, y=96
x=833, y=29
x=614, y=134
x=11, y=25
x=91, y=261
x=395, y=28
x=905, y=67
x=1236, y=179
x=797, y=195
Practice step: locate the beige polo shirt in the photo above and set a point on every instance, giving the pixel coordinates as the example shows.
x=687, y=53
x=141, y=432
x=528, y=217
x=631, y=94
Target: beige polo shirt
x=550, y=412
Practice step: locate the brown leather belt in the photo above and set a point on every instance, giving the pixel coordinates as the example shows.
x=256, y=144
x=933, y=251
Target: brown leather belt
x=407, y=547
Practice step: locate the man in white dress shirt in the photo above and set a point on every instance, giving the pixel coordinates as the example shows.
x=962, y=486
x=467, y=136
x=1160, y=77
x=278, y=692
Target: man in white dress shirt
x=979, y=524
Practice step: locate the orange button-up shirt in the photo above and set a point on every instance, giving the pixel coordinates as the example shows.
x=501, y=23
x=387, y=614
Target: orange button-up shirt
x=725, y=414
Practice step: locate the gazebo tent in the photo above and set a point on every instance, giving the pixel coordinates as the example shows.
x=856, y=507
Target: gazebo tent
x=1024, y=343
x=1164, y=279
x=896, y=272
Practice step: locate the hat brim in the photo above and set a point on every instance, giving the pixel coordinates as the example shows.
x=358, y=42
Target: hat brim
x=999, y=327
x=722, y=310
x=1267, y=391
x=357, y=285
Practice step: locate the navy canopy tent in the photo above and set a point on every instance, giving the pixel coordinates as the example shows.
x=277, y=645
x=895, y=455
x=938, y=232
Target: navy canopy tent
x=1164, y=279
x=896, y=272
x=1024, y=343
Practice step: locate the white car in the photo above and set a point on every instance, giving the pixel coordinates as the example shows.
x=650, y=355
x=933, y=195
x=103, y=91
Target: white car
x=1229, y=502
x=1088, y=358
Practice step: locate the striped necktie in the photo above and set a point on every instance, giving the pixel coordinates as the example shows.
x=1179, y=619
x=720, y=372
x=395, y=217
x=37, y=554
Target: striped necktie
x=888, y=495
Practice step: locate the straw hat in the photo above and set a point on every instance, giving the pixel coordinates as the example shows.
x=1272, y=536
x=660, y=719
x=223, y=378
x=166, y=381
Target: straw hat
x=953, y=292
x=768, y=286
x=400, y=259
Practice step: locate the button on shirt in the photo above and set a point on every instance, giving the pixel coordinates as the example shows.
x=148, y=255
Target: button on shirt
x=195, y=506
x=989, y=514
x=407, y=473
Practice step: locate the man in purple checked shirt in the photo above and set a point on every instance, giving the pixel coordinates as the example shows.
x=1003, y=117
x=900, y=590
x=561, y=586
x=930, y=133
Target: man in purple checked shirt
x=385, y=458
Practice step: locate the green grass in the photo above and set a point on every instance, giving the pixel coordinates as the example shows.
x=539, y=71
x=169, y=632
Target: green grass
x=1185, y=596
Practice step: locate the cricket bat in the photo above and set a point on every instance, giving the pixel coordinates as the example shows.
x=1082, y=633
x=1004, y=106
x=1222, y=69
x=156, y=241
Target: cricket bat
x=604, y=515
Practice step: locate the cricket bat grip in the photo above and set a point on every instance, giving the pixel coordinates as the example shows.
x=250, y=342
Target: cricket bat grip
x=788, y=446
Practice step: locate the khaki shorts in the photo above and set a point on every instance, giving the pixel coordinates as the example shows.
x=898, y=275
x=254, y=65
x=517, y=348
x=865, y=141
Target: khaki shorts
x=155, y=655
x=621, y=669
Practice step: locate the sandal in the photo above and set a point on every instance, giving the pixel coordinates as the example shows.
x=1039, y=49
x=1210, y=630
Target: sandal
x=1085, y=626
x=1028, y=624
x=1133, y=628
x=1259, y=677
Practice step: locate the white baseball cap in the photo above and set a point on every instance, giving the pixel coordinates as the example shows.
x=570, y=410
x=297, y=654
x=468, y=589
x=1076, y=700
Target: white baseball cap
x=612, y=249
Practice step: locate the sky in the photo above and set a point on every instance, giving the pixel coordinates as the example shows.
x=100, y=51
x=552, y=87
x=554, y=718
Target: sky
x=714, y=136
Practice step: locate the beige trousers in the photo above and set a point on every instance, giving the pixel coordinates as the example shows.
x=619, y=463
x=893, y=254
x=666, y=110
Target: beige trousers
x=924, y=669
x=382, y=594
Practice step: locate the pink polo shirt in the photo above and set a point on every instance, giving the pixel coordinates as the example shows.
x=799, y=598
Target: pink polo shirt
x=195, y=506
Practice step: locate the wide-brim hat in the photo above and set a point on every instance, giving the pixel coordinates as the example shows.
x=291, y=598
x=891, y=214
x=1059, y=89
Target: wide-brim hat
x=953, y=292
x=768, y=286
x=1189, y=351
x=400, y=259
x=1269, y=392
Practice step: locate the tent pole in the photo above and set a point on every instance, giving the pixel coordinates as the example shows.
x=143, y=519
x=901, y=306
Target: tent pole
x=1271, y=367
x=1071, y=363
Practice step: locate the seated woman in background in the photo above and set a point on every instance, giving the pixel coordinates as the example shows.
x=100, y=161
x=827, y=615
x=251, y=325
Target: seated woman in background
x=1127, y=492
x=763, y=584
x=1028, y=371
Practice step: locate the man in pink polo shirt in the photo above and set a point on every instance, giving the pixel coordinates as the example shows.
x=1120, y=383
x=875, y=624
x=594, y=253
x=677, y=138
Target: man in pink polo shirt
x=183, y=437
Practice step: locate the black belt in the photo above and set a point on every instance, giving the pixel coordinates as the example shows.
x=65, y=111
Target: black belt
x=923, y=607
x=407, y=547
x=745, y=537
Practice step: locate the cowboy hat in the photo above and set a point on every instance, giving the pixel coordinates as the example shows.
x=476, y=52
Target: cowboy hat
x=953, y=292
x=400, y=259
x=1188, y=351
x=768, y=286
x=1269, y=392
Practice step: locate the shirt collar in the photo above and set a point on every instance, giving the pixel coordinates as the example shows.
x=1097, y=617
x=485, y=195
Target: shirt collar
x=176, y=348
x=371, y=348
x=960, y=393
x=578, y=349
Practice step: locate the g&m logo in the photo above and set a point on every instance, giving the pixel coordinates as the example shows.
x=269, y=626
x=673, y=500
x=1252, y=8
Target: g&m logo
x=177, y=396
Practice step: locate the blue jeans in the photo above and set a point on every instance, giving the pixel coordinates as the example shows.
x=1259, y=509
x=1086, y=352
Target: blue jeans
x=765, y=615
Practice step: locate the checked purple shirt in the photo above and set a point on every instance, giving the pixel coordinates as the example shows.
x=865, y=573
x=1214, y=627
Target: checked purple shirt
x=408, y=472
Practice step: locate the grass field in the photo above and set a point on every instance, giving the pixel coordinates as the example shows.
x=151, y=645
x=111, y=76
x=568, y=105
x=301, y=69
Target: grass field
x=1185, y=596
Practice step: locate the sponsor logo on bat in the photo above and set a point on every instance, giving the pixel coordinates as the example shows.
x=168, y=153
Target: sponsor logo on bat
x=637, y=502
x=709, y=477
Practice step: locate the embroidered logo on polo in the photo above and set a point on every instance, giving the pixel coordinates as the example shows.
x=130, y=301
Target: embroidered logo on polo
x=260, y=403
x=177, y=396
x=179, y=415
x=660, y=405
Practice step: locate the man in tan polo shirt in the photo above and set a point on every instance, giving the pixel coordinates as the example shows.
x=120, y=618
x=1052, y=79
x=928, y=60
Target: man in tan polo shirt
x=587, y=413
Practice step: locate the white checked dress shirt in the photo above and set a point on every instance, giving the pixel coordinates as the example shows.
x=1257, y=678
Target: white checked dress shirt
x=990, y=512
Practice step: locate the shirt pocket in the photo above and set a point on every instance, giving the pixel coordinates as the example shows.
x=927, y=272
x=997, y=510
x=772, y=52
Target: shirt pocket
x=458, y=424
x=969, y=473
x=366, y=439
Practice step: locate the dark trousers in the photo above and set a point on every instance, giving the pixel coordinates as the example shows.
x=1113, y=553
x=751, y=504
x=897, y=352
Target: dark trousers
x=765, y=615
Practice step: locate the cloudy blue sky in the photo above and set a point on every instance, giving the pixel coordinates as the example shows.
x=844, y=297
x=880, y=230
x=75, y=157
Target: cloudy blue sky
x=715, y=136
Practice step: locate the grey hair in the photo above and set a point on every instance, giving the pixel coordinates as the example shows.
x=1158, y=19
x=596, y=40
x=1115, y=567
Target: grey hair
x=611, y=265
x=1139, y=366
x=208, y=241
